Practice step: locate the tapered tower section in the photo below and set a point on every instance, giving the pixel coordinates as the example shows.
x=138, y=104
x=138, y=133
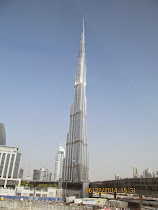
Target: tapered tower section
x=76, y=161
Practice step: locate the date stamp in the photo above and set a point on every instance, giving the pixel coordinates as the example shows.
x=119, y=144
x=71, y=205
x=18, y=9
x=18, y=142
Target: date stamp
x=110, y=190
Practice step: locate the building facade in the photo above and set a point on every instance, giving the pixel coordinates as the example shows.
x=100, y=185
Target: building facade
x=135, y=172
x=2, y=134
x=21, y=173
x=42, y=175
x=36, y=174
x=76, y=163
x=59, y=164
x=155, y=174
x=117, y=177
x=9, y=165
x=147, y=173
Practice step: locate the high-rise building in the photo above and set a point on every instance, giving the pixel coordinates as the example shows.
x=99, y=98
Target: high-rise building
x=2, y=134
x=147, y=173
x=59, y=164
x=135, y=172
x=76, y=163
x=36, y=174
x=9, y=165
x=117, y=177
x=155, y=174
x=21, y=173
x=42, y=175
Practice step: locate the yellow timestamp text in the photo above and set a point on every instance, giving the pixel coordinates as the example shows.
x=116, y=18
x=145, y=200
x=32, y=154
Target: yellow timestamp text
x=110, y=190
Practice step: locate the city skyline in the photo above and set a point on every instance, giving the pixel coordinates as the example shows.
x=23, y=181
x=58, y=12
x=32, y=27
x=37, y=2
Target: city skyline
x=39, y=53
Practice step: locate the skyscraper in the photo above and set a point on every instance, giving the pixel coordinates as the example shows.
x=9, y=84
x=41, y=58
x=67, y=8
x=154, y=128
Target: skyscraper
x=59, y=164
x=135, y=172
x=117, y=177
x=2, y=134
x=76, y=161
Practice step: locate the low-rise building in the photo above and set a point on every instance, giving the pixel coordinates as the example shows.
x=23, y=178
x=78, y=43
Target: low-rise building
x=49, y=192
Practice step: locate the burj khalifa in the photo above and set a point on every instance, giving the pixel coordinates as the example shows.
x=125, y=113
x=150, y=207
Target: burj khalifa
x=76, y=162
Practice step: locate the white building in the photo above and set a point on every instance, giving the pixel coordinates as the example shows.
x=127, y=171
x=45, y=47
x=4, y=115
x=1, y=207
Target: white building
x=45, y=175
x=22, y=191
x=51, y=192
x=155, y=174
x=42, y=175
x=9, y=166
x=147, y=173
x=135, y=172
x=59, y=164
x=117, y=177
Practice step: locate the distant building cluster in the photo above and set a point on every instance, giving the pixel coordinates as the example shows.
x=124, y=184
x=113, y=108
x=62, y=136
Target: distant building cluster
x=147, y=173
x=44, y=175
x=10, y=161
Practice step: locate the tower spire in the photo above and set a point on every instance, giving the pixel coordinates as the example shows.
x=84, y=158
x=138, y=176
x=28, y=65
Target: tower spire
x=81, y=60
x=83, y=25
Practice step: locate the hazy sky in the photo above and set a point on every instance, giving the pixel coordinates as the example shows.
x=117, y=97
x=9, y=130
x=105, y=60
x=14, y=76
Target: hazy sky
x=39, y=47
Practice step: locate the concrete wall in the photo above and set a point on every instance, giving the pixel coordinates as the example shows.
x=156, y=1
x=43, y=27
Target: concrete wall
x=34, y=206
x=4, y=191
x=68, y=192
x=75, y=188
x=101, y=202
x=118, y=204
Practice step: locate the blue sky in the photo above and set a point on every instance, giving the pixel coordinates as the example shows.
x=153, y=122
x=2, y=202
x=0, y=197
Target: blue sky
x=39, y=46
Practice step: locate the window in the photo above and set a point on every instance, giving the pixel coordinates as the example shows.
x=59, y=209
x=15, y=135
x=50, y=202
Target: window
x=11, y=166
x=6, y=166
x=2, y=163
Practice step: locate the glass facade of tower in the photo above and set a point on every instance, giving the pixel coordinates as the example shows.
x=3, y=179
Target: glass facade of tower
x=76, y=164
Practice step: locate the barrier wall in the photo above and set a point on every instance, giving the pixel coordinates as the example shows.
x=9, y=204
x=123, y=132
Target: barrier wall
x=31, y=198
x=12, y=205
